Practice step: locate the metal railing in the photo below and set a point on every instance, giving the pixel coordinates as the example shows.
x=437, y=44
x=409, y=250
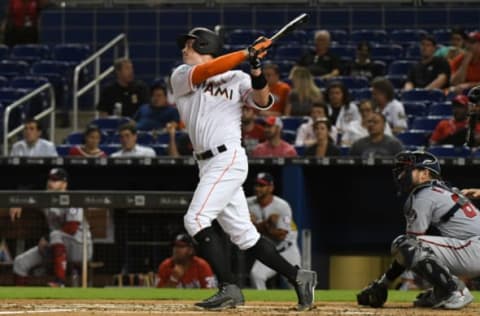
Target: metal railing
x=49, y=111
x=95, y=58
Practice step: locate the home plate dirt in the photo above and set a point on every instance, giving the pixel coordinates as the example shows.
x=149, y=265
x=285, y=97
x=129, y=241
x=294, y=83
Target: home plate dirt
x=151, y=308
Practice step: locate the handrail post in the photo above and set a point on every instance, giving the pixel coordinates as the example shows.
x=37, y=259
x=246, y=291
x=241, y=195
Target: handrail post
x=6, y=119
x=96, y=96
x=75, y=99
x=52, y=115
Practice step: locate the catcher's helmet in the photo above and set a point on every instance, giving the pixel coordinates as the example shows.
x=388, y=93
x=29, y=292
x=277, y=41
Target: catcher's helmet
x=206, y=41
x=406, y=161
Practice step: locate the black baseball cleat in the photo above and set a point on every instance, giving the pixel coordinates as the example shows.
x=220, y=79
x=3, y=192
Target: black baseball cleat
x=228, y=296
x=305, y=287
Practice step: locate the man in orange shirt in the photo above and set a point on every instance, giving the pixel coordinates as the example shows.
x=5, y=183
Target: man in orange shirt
x=454, y=131
x=466, y=67
x=183, y=269
x=279, y=89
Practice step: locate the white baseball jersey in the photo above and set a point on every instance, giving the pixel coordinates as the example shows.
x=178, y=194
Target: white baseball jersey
x=57, y=217
x=394, y=113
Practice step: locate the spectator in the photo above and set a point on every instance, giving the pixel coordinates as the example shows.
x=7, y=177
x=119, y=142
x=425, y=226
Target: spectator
x=431, y=72
x=358, y=129
x=324, y=145
x=252, y=132
x=466, y=67
x=274, y=145
x=63, y=244
x=321, y=62
x=158, y=113
x=178, y=145
x=376, y=144
x=454, y=131
x=305, y=134
x=21, y=23
x=363, y=66
x=304, y=92
x=273, y=218
x=32, y=145
x=183, y=269
x=124, y=96
x=383, y=97
x=458, y=38
x=340, y=110
x=92, y=137
x=130, y=148
x=279, y=89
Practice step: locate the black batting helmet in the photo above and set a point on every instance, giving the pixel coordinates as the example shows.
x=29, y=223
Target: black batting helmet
x=206, y=41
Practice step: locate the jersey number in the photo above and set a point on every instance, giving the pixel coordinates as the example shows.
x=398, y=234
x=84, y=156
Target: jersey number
x=468, y=208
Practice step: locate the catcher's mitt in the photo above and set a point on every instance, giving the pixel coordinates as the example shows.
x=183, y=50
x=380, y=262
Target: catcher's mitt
x=374, y=295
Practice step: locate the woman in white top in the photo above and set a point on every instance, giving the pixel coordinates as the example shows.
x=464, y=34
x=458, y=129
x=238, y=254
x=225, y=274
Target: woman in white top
x=358, y=129
x=340, y=110
x=306, y=134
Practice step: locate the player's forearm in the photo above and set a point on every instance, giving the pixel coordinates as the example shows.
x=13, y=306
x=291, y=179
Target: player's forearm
x=460, y=75
x=438, y=83
x=216, y=66
x=393, y=272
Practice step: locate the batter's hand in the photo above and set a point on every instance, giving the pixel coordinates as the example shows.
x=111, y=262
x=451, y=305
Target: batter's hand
x=15, y=213
x=259, y=48
x=471, y=193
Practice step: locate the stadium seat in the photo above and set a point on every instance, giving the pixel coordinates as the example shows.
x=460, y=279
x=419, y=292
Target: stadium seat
x=298, y=37
x=371, y=36
x=77, y=138
x=423, y=95
x=110, y=148
x=450, y=151
x=351, y=82
x=285, y=66
x=427, y=123
x=292, y=123
x=340, y=36
x=361, y=94
x=160, y=149
x=63, y=150
x=243, y=37
x=407, y=36
x=51, y=67
x=344, y=150
x=442, y=36
x=10, y=95
x=28, y=82
x=414, y=138
x=71, y=53
x=400, y=67
x=13, y=68
x=109, y=123
x=386, y=52
x=300, y=150
x=30, y=52
x=4, y=82
x=398, y=81
x=441, y=109
x=164, y=138
x=4, y=52
x=476, y=154
x=381, y=66
x=415, y=108
x=343, y=51
x=289, y=136
x=413, y=53
x=143, y=138
x=292, y=53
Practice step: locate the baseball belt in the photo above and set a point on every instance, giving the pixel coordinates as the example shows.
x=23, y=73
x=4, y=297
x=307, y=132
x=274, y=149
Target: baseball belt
x=210, y=153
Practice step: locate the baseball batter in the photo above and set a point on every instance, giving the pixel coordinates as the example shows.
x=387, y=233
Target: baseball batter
x=437, y=259
x=209, y=96
x=64, y=243
x=272, y=216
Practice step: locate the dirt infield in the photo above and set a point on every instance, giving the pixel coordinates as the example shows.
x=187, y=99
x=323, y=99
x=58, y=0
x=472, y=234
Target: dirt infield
x=152, y=308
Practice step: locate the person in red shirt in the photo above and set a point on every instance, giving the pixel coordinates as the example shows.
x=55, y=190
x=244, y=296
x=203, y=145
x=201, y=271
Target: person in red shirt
x=90, y=148
x=453, y=131
x=274, y=145
x=252, y=132
x=183, y=269
x=279, y=89
x=466, y=67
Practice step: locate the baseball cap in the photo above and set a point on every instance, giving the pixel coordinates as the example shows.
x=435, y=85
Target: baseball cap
x=460, y=100
x=57, y=174
x=474, y=36
x=182, y=240
x=264, y=178
x=273, y=120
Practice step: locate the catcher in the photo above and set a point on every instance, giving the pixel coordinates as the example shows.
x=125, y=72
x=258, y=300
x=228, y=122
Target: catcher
x=439, y=260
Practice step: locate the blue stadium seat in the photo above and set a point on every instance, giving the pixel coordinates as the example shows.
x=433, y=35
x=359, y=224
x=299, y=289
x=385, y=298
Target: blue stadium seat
x=110, y=148
x=441, y=109
x=300, y=150
x=4, y=82
x=50, y=67
x=423, y=95
x=4, y=52
x=164, y=138
x=30, y=52
x=413, y=53
x=476, y=154
x=340, y=36
x=371, y=36
x=243, y=37
x=386, y=52
x=63, y=150
x=343, y=51
x=381, y=66
x=398, y=81
x=352, y=82
x=77, y=138
x=400, y=67
x=160, y=149
x=71, y=53
x=427, y=123
x=450, y=151
x=143, y=138
x=414, y=138
x=406, y=36
x=298, y=37
x=10, y=95
x=289, y=136
x=12, y=68
x=442, y=36
x=292, y=53
x=361, y=94
x=109, y=123
x=292, y=123
x=344, y=150
x=285, y=66
x=28, y=82
x=415, y=108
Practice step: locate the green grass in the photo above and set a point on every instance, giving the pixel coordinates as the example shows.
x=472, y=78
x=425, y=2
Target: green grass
x=181, y=294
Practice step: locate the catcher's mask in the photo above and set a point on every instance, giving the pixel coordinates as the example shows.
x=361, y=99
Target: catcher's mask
x=406, y=161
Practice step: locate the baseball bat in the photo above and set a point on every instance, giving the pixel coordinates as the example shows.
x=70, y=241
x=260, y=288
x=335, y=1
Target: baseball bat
x=290, y=26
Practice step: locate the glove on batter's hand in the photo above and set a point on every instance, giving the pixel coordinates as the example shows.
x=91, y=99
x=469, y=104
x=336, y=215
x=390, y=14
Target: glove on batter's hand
x=374, y=295
x=258, y=49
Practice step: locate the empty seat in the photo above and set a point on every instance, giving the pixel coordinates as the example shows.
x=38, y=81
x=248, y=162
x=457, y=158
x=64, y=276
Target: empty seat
x=244, y=37
x=164, y=138
x=398, y=81
x=292, y=123
x=450, y=151
x=352, y=82
x=441, y=109
x=289, y=136
x=371, y=36
x=30, y=52
x=343, y=51
x=414, y=138
x=71, y=53
x=110, y=148
x=63, y=150
x=427, y=123
x=295, y=37
x=291, y=53
x=442, y=36
x=12, y=68
x=160, y=149
x=423, y=95
x=4, y=51
x=407, y=36
x=400, y=67
x=415, y=108
x=413, y=52
x=50, y=66
x=340, y=36
x=361, y=94
x=4, y=82
x=10, y=95
x=386, y=52
x=109, y=123
x=285, y=66
x=28, y=82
